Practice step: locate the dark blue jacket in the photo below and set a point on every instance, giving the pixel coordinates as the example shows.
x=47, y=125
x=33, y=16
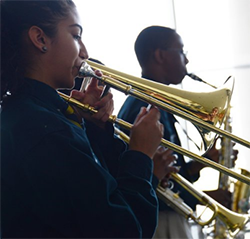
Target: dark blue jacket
x=59, y=180
x=129, y=111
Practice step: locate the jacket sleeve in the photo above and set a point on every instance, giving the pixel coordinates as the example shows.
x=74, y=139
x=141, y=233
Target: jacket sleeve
x=106, y=145
x=63, y=188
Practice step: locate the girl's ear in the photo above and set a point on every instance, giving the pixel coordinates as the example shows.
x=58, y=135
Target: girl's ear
x=38, y=38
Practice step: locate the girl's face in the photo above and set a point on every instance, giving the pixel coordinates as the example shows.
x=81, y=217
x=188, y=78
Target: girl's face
x=67, y=52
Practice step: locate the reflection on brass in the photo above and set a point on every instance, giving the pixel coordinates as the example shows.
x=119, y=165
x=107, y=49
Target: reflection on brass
x=206, y=110
x=189, y=105
x=234, y=222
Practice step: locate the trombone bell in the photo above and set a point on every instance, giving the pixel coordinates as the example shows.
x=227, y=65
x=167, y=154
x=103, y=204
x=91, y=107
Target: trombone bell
x=210, y=107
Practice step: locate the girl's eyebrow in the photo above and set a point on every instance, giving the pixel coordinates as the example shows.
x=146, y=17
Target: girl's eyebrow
x=77, y=25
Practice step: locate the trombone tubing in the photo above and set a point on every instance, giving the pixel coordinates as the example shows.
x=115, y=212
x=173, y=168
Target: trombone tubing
x=234, y=221
x=127, y=89
x=126, y=125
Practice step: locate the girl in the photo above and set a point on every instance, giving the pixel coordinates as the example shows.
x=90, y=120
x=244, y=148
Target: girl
x=63, y=176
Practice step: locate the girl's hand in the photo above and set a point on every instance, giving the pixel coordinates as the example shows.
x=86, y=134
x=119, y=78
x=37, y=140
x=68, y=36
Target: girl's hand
x=146, y=132
x=92, y=97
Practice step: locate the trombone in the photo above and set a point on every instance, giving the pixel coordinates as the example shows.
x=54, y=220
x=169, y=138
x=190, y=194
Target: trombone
x=179, y=102
x=204, y=110
x=183, y=104
x=234, y=222
x=126, y=125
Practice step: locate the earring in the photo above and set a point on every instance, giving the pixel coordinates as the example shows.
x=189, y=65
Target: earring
x=44, y=49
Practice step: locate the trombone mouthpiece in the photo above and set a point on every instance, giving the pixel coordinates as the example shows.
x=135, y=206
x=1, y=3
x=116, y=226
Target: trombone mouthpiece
x=86, y=71
x=86, y=74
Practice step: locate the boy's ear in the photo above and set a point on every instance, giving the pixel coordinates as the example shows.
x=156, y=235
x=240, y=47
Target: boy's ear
x=159, y=55
x=38, y=38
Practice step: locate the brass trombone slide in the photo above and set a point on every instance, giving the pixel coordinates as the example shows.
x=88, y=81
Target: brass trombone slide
x=123, y=124
x=234, y=222
x=158, y=94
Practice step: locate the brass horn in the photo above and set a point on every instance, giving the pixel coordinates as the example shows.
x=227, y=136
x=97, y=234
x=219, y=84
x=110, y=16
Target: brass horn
x=234, y=222
x=205, y=110
x=177, y=101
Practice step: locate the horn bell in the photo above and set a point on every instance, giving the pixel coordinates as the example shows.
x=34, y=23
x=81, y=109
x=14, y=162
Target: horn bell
x=210, y=107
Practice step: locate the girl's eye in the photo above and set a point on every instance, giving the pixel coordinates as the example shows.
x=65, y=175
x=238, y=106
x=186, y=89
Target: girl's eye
x=77, y=37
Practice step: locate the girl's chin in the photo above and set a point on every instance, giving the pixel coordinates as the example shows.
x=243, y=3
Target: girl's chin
x=70, y=85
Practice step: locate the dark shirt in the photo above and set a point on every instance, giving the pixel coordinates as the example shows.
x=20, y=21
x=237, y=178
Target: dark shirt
x=129, y=111
x=55, y=176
